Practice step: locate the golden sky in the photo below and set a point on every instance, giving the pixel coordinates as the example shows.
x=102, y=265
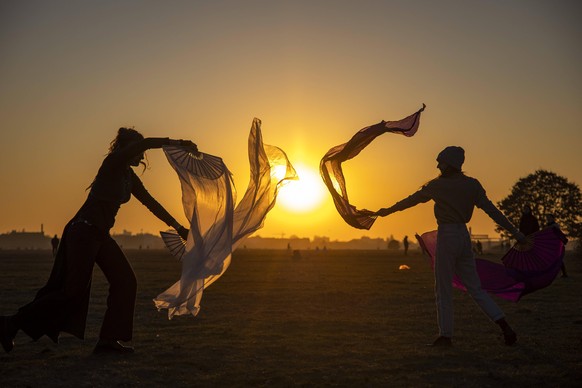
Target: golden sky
x=502, y=79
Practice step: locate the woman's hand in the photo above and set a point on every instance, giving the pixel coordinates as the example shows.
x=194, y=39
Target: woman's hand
x=192, y=147
x=183, y=232
x=521, y=238
x=186, y=144
x=384, y=212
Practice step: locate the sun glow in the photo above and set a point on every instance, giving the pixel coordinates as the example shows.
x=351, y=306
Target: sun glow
x=304, y=194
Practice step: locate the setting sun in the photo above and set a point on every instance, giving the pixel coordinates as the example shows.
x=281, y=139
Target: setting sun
x=303, y=194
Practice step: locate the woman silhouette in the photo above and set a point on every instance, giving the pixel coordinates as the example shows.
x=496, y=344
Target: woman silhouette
x=455, y=196
x=528, y=223
x=62, y=304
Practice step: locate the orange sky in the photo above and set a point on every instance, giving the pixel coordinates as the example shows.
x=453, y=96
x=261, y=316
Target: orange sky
x=502, y=79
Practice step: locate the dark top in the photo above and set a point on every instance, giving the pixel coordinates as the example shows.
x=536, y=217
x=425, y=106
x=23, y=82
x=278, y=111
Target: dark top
x=52, y=310
x=455, y=198
x=114, y=184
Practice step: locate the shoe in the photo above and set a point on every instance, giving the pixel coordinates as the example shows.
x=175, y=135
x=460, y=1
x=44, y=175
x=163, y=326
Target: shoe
x=510, y=337
x=442, y=342
x=112, y=347
x=6, y=334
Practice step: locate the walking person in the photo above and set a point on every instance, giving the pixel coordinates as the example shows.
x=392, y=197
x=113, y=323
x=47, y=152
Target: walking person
x=455, y=196
x=479, y=246
x=62, y=304
x=406, y=244
x=55, y=244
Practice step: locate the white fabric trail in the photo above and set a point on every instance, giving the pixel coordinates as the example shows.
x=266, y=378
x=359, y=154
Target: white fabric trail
x=217, y=227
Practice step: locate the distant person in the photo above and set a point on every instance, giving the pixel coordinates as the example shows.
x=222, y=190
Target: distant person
x=405, y=243
x=455, y=195
x=528, y=223
x=62, y=304
x=479, y=247
x=55, y=244
x=551, y=223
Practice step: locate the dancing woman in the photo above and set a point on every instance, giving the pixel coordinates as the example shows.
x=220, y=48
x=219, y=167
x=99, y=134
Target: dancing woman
x=62, y=304
x=455, y=196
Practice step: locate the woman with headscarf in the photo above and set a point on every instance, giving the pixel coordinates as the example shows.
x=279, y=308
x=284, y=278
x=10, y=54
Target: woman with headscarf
x=455, y=196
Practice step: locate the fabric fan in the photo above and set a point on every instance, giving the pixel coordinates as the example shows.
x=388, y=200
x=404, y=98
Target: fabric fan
x=174, y=243
x=540, y=252
x=526, y=267
x=200, y=164
x=538, y=262
x=495, y=278
x=217, y=226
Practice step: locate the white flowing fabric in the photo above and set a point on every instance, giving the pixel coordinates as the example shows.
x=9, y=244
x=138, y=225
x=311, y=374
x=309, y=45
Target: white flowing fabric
x=217, y=227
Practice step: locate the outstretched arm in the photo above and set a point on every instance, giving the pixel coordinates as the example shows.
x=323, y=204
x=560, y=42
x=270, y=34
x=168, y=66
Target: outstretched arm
x=134, y=149
x=139, y=191
x=419, y=197
x=492, y=211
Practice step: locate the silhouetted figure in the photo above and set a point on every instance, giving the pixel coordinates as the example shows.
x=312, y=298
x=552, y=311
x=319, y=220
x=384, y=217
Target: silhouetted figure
x=551, y=223
x=55, y=244
x=455, y=195
x=479, y=247
x=405, y=243
x=528, y=223
x=62, y=304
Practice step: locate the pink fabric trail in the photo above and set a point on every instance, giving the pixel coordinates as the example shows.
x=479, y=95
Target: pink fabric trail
x=331, y=165
x=525, y=269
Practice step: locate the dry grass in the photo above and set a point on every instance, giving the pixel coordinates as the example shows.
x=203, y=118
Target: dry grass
x=328, y=319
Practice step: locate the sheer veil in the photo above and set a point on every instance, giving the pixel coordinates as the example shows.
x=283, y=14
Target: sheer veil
x=217, y=226
x=331, y=171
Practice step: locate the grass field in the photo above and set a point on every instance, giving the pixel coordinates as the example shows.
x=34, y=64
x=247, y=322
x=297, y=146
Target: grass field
x=348, y=318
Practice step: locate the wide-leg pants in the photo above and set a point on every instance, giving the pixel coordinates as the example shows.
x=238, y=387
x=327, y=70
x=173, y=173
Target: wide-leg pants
x=59, y=308
x=454, y=255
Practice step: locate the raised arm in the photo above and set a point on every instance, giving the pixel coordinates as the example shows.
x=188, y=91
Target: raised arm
x=136, y=148
x=485, y=204
x=419, y=197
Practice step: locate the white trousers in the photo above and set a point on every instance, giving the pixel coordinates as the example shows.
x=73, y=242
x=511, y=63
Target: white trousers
x=454, y=255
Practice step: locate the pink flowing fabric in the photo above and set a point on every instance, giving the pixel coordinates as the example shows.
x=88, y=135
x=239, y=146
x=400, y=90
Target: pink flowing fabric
x=331, y=165
x=538, y=262
x=217, y=226
x=512, y=281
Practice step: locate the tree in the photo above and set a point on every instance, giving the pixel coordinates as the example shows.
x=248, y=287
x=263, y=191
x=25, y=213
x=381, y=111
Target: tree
x=545, y=192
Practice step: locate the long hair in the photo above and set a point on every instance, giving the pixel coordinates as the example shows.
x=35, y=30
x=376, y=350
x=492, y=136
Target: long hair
x=124, y=137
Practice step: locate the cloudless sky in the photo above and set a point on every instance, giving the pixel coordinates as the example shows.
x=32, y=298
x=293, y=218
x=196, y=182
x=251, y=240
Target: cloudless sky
x=503, y=79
